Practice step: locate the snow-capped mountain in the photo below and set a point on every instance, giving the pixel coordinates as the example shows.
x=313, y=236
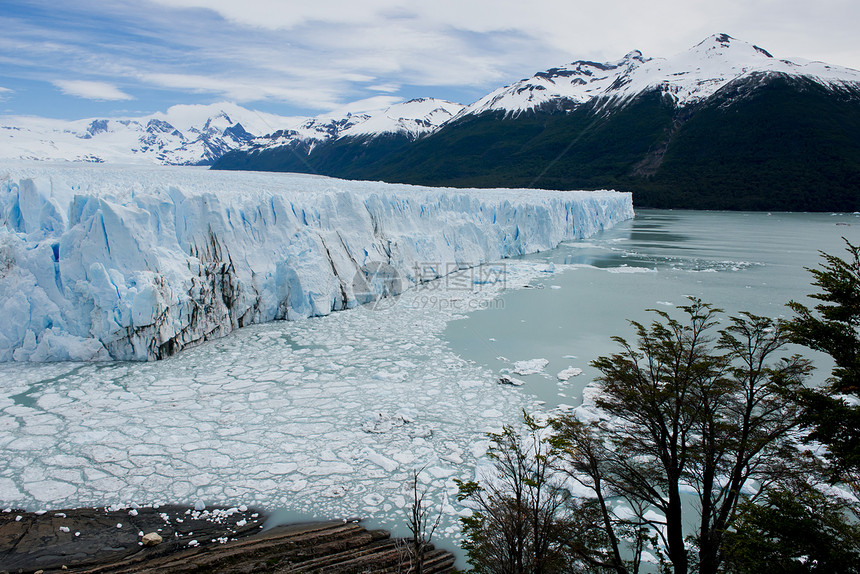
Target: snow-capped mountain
x=688, y=77
x=185, y=134
x=200, y=134
x=724, y=125
x=411, y=119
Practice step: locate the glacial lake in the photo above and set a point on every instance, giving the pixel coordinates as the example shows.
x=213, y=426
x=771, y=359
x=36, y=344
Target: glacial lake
x=327, y=417
x=753, y=262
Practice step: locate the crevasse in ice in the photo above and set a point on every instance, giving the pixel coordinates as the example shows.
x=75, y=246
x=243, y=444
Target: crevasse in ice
x=139, y=262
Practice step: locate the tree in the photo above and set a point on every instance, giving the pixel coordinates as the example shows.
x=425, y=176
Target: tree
x=792, y=532
x=420, y=525
x=517, y=525
x=597, y=536
x=686, y=410
x=833, y=327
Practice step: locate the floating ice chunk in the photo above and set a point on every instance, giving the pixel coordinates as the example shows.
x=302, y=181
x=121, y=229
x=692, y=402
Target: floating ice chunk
x=337, y=491
x=373, y=499
x=568, y=373
x=404, y=457
x=509, y=380
x=439, y=472
x=626, y=269
x=281, y=468
x=344, y=350
x=530, y=367
x=380, y=460
x=50, y=490
x=453, y=457
x=382, y=423
x=8, y=490
x=299, y=485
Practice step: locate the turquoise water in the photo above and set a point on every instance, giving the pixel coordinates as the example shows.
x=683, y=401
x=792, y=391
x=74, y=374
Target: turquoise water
x=737, y=261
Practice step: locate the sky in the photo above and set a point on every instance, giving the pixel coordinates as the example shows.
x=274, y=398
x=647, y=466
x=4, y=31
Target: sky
x=115, y=58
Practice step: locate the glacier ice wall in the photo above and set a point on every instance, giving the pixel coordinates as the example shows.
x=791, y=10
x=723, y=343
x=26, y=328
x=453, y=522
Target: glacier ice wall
x=100, y=263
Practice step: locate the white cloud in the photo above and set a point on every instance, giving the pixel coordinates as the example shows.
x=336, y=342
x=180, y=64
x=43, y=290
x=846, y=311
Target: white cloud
x=101, y=91
x=385, y=88
x=366, y=105
x=316, y=56
x=246, y=90
x=599, y=30
x=277, y=14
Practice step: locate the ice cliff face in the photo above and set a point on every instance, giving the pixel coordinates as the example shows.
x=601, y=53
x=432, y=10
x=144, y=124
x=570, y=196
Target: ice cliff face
x=101, y=262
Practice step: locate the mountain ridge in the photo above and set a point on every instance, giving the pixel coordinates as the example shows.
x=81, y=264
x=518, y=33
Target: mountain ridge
x=629, y=125
x=634, y=124
x=200, y=134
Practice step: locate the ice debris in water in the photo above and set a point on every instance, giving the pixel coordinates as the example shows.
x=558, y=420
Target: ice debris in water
x=327, y=435
x=530, y=367
x=568, y=373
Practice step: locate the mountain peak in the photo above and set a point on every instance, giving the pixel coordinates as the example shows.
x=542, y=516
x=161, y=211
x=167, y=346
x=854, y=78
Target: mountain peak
x=687, y=77
x=724, y=39
x=720, y=44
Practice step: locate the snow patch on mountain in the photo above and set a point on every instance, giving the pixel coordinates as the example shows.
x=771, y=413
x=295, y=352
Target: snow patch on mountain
x=688, y=77
x=184, y=135
x=138, y=262
x=412, y=119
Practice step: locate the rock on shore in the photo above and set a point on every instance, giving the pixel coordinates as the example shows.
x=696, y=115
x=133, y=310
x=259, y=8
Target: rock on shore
x=212, y=540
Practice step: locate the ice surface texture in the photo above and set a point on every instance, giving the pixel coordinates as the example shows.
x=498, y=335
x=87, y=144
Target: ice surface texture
x=138, y=263
x=326, y=417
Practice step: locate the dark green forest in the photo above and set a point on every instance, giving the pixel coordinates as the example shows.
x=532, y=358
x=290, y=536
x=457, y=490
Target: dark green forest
x=766, y=143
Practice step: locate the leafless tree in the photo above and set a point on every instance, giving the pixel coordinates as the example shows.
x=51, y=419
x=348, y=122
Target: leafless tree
x=422, y=522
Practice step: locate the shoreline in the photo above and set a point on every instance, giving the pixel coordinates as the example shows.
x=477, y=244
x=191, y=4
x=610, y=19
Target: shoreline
x=218, y=539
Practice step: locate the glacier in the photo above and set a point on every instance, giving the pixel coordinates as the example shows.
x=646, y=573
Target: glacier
x=105, y=262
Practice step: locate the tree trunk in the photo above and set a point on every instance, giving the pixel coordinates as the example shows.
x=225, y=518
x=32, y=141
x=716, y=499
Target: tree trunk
x=675, y=531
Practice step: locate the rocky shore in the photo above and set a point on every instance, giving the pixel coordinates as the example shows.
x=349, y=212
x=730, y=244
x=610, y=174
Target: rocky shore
x=179, y=539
